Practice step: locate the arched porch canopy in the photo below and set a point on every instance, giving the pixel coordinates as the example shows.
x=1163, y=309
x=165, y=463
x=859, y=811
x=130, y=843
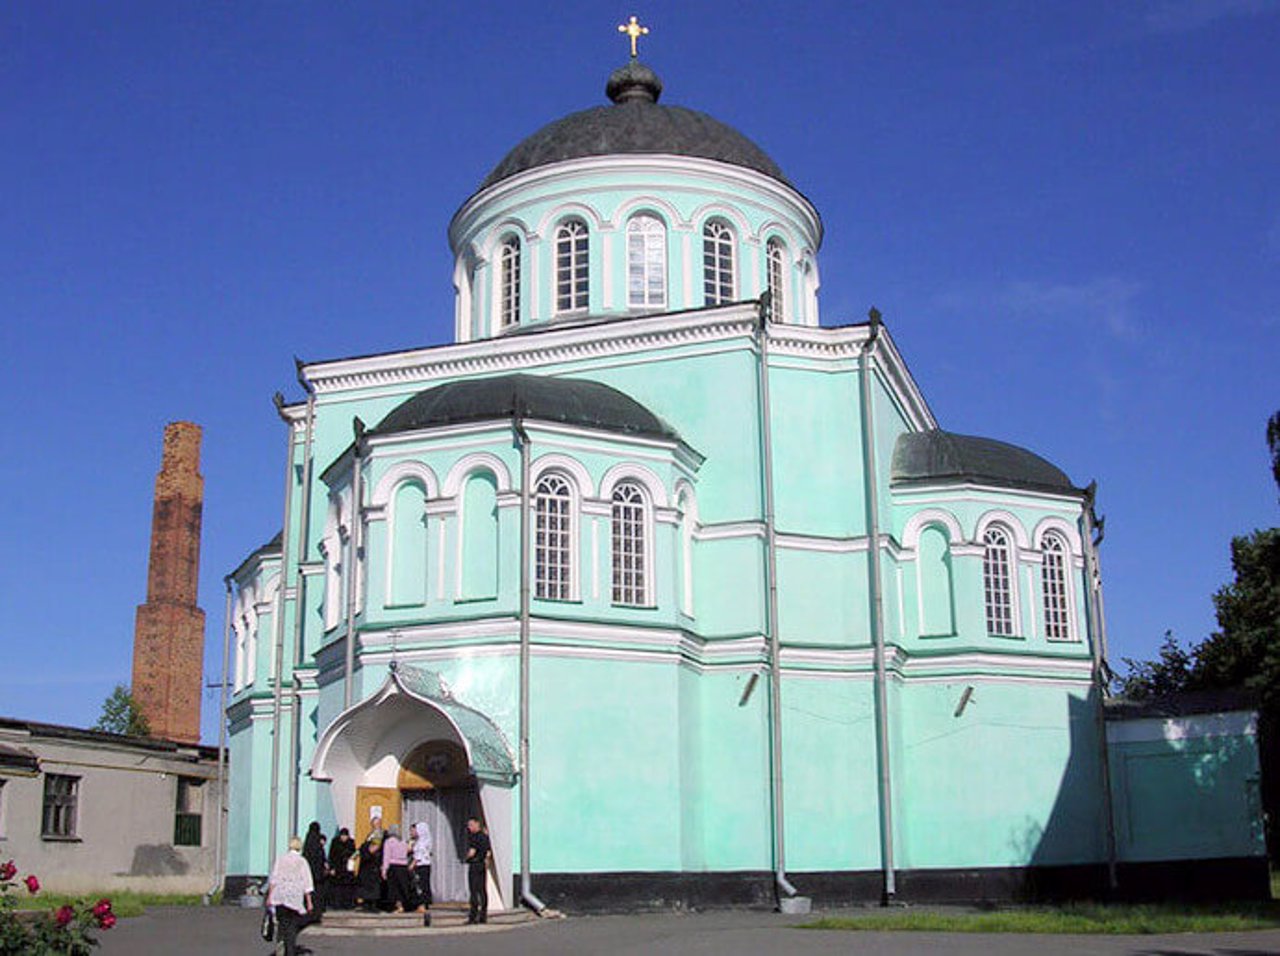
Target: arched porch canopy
x=412, y=705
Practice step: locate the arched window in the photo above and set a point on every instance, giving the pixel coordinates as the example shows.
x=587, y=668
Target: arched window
x=509, y=283
x=571, y=266
x=997, y=582
x=776, y=253
x=1053, y=584
x=630, y=545
x=553, y=539
x=646, y=263
x=717, y=263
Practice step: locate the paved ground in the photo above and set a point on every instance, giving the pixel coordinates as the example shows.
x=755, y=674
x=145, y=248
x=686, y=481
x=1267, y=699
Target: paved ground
x=219, y=930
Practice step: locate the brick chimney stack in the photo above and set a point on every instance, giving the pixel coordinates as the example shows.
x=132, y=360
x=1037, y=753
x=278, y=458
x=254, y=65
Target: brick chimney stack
x=168, y=639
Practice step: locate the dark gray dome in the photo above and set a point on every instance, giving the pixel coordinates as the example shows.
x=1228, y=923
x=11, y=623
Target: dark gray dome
x=936, y=455
x=571, y=401
x=635, y=123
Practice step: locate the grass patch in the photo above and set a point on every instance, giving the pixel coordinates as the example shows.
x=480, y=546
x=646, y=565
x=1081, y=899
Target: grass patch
x=123, y=902
x=1080, y=918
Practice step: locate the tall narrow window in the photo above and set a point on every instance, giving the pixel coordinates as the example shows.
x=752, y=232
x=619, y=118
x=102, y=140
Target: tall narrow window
x=553, y=539
x=646, y=263
x=997, y=583
x=717, y=263
x=571, y=266
x=630, y=551
x=1053, y=582
x=509, y=283
x=61, y=795
x=188, y=811
x=776, y=254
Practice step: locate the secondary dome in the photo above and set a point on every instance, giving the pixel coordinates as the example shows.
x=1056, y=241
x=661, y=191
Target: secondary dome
x=635, y=123
x=936, y=455
x=571, y=401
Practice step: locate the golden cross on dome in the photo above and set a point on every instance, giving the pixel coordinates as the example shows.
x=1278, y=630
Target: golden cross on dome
x=634, y=31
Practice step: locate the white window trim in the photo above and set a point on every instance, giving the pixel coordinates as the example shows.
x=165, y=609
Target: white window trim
x=1011, y=579
x=646, y=543
x=644, y=236
x=509, y=240
x=1068, y=588
x=734, y=261
x=780, y=295
x=555, y=267
x=575, y=524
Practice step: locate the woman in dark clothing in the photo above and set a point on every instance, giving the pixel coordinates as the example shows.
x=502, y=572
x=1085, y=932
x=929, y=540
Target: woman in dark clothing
x=313, y=853
x=342, y=882
x=369, y=880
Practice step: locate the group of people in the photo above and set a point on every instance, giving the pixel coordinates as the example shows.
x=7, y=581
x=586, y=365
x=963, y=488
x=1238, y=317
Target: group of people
x=385, y=873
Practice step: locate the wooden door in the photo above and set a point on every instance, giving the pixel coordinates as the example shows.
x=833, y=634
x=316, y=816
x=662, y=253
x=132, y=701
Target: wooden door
x=368, y=799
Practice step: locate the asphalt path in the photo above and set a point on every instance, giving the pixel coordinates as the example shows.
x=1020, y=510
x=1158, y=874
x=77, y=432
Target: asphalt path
x=190, y=931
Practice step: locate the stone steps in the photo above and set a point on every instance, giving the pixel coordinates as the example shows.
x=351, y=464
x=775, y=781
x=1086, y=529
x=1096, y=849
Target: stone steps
x=443, y=919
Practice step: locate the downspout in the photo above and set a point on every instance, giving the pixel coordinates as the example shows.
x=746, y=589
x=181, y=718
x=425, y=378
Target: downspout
x=527, y=895
x=278, y=623
x=299, y=595
x=877, y=615
x=222, y=751
x=783, y=885
x=353, y=551
x=1092, y=537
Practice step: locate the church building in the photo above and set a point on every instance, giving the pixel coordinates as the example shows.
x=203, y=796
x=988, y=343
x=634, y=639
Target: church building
x=683, y=592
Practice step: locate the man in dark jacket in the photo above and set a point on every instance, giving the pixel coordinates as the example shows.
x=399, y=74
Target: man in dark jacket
x=477, y=864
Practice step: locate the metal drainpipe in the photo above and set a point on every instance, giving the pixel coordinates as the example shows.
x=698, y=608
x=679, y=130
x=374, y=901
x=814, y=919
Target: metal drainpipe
x=771, y=604
x=877, y=616
x=1089, y=547
x=299, y=602
x=353, y=551
x=218, y=878
x=527, y=895
x=278, y=624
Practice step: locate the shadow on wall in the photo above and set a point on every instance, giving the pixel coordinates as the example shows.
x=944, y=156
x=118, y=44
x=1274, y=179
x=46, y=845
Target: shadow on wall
x=1186, y=810
x=157, y=859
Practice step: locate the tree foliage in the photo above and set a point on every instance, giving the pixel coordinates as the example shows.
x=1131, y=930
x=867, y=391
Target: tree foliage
x=1168, y=674
x=121, y=714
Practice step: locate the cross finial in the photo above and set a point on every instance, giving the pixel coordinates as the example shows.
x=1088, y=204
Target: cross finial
x=634, y=31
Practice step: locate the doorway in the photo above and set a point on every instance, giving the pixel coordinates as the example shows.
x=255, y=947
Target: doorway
x=445, y=812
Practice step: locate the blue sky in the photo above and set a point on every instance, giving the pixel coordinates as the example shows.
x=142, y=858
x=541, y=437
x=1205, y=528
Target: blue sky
x=1068, y=212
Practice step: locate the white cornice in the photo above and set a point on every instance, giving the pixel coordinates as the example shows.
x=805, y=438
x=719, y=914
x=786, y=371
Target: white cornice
x=644, y=166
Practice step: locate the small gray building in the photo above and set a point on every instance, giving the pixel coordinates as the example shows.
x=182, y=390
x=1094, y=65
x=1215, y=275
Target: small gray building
x=88, y=811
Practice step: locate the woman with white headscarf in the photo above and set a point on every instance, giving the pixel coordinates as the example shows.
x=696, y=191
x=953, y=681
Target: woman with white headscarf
x=420, y=847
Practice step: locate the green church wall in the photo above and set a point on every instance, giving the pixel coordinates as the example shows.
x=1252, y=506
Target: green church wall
x=736, y=827
x=1013, y=779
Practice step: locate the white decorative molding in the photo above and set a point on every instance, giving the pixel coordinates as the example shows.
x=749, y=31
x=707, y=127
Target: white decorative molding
x=1005, y=519
x=573, y=469
x=930, y=516
x=480, y=460
x=404, y=471
x=636, y=472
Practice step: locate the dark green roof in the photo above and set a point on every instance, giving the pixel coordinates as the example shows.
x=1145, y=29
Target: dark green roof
x=570, y=401
x=635, y=123
x=936, y=455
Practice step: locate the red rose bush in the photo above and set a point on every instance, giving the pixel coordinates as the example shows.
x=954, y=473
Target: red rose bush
x=69, y=931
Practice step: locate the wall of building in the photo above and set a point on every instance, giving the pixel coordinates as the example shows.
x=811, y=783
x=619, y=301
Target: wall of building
x=123, y=835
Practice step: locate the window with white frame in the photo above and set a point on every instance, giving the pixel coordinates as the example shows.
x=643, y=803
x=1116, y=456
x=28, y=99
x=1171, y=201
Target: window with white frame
x=717, y=263
x=553, y=539
x=571, y=266
x=997, y=582
x=630, y=545
x=509, y=283
x=646, y=262
x=776, y=254
x=61, y=798
x=1053, y=584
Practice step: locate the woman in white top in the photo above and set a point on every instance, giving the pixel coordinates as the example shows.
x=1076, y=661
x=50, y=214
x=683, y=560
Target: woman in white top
x=289, y=891
x=420, y=847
